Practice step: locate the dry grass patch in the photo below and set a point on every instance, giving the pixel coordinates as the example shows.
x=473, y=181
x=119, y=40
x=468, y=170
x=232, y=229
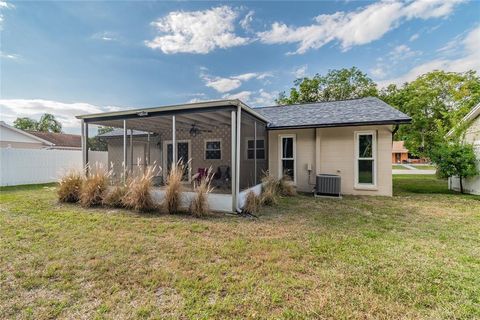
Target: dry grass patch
x=114, y=196
x=252, y=203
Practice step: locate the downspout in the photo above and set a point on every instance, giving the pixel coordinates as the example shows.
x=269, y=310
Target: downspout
x=395, y=129
x=233, y=156
x=124, y=151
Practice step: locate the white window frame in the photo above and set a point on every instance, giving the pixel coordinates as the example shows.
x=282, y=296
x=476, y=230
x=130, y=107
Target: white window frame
x=366, y=186
x=205, y=148
x=281, y=158
x=247, y=148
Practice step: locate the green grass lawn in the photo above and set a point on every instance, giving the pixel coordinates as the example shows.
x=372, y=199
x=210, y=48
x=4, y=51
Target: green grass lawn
x=415, y=255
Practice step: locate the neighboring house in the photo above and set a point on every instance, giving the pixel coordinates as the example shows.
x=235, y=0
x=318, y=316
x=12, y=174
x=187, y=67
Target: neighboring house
x=11, y=137
x=472, y=136
x=351, y=138
x=399, y=152
x=63, y=141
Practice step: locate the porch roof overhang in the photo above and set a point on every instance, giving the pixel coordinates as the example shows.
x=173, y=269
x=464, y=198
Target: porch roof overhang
x=178, y=109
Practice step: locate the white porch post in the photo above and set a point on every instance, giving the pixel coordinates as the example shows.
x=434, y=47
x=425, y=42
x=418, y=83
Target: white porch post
x=147, y=162
x=174, y=142
x=124, y=150
x=86, y=149
x=131, y=151
x=237, y=154
x=254, y=152
x=84, y=146
x=233, y=160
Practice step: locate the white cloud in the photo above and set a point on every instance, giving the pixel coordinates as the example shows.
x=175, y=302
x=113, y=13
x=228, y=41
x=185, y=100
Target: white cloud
x=10, y=56
x=243, y=95
x=300, y=72
x=466, y=59
x=265, y=98
x=228, y=84
x=3, y=6
x=414, y=37
x=247, y=20
x=105, y=36
x=197, y=31
x=10, y=109
x=378, y=72
x=402, y=52
x=358, y=27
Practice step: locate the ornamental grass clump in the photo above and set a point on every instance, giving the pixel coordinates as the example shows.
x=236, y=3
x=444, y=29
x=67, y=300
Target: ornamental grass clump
x=94, y=187
x=138, y=191
x=114, y=196
x=199, y=205
x=173, y=190
x=286, y=187
x=270, y=190
x=252, y=203
x=69, y=187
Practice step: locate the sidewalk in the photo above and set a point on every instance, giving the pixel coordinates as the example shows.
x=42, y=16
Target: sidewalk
x=412, y=170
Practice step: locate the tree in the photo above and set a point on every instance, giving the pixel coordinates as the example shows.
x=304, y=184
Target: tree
x=48, y=123
x=25, y=124
x=98, y=143
x=335, y=85
x=455, y=159
x=436, y=101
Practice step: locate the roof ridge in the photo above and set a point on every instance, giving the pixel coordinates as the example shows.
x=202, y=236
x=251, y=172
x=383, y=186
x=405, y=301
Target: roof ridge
x=319, y=102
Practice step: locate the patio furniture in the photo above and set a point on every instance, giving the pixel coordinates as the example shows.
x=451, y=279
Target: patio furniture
x=201, y=173
x=221, y=179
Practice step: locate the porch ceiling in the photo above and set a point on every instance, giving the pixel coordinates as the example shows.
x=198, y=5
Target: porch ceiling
x=159, y=124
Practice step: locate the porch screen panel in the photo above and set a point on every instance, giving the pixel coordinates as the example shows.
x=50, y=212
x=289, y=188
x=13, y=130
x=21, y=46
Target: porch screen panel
x=247, y=152
x=261, y=150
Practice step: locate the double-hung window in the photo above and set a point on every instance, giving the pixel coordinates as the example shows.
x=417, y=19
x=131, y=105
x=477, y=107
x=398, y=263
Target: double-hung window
x=213, y=150
x=365, y=159
x=287, y=148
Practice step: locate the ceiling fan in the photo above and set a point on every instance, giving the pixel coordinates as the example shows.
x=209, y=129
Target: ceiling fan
x=194, y=130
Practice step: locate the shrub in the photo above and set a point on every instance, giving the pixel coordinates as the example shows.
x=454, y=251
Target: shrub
x=199, y=205
x=173, y=190
x=94, y=188
x=114, y=196
x=69, y=187
x=138, y=194
x=252, y=203
x=270, y=190
x=286, y=187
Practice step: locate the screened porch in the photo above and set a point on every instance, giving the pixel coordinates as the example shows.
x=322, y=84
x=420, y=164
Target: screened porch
x=226, y=137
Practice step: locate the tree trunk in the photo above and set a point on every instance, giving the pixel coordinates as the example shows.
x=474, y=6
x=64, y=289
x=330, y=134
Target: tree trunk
x=461, y=184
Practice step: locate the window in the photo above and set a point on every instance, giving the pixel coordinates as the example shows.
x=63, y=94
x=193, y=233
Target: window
x=260, y=149
x=287, y=150
x=365, y=162
x=213, y=150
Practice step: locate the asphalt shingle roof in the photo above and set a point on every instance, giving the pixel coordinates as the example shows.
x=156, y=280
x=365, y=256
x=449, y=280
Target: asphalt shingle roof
x=60, y=139
x=336, y=113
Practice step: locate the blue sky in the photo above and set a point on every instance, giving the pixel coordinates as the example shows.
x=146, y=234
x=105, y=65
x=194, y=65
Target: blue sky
x=70, y=58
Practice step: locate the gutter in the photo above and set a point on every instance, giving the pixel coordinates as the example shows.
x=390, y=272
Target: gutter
x=345, y=124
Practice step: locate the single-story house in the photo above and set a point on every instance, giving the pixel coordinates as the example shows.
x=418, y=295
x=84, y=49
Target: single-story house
x=399, y=152
x=350, y=138
x=472, y=136
x=11, y=137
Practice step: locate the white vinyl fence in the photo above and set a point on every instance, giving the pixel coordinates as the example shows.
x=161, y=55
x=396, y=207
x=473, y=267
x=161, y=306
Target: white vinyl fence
x=28, y=166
